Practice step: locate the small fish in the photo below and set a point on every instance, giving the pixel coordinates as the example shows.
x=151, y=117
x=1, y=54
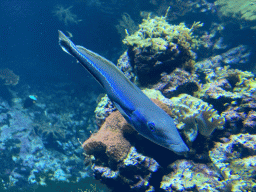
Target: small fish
x=144, y=115
x=29, y=101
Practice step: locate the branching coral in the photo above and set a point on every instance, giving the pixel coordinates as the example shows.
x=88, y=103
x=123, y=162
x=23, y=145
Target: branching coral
x=9, y=77
x=65, y=15
x=48, y=129
x=158, y=34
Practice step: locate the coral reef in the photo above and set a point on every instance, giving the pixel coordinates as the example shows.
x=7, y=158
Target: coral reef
x=226, y=83
x=193, y=115
x=9, y=77
x=33, y=150
x=109, y=139
x=190, y=176
x=233, y=168
x=249, y=122
x=160, y=47
x=237, y=55
x=124, y=65
x=177, y=82
x=231, y=92
x=236, y=161
x=133, y=172
x=103, y=110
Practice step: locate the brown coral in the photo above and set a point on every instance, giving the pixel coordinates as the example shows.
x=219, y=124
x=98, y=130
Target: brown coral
x=109, y=140
x=9, y=77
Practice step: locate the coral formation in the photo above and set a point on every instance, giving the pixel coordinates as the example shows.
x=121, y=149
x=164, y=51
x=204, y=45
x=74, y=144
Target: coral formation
x=249, y=122
x=236, y=161
x=223, y=82
x=193, y=115
x=9, y=77
x=177, y=82
x=158, y=34
x=190, y=176
x=109, y=139
x=231, y=92
x=133, y=172
x=30, y=159
x=103, y=110
x=158, y=46
x=233, y=168
x=124, y=65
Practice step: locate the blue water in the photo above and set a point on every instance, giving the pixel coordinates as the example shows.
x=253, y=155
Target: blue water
x=67, y=95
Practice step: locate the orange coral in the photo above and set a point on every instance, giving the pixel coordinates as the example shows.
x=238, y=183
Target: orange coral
x=109, y=140
x=9, y=77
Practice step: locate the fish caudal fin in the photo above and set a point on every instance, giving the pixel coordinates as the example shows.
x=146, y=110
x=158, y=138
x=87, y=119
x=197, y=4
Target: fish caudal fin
x=65, y=43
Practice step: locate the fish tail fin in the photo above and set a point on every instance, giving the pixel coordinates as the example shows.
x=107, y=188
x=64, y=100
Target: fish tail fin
x=65, y=43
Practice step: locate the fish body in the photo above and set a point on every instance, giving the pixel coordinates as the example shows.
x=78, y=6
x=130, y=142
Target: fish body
x=144, y=115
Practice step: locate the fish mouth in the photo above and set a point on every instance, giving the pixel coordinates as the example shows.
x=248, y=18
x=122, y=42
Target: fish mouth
x=179, y=149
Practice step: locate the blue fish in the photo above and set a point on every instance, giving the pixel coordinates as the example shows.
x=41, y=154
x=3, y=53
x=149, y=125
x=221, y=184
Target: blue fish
x=144, y=115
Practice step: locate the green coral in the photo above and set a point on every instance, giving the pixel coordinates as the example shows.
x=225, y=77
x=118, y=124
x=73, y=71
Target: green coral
x=158, y=33
x=195, y=115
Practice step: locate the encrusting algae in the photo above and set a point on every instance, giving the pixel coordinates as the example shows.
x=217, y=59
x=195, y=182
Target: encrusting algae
x=158, y=34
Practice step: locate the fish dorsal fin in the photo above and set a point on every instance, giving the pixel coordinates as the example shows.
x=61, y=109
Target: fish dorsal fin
x=94, y=55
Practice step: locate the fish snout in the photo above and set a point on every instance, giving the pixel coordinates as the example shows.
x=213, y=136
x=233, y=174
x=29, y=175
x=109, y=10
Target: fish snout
x=179, y=149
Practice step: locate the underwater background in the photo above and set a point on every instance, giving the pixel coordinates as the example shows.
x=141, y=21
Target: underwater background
x=194, y=58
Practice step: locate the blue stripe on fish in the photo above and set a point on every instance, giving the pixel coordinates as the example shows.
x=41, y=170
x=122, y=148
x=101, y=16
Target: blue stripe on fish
x=143, y=114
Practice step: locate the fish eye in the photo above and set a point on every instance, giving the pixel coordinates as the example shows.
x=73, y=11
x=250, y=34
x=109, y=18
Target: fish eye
x=151, y=126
